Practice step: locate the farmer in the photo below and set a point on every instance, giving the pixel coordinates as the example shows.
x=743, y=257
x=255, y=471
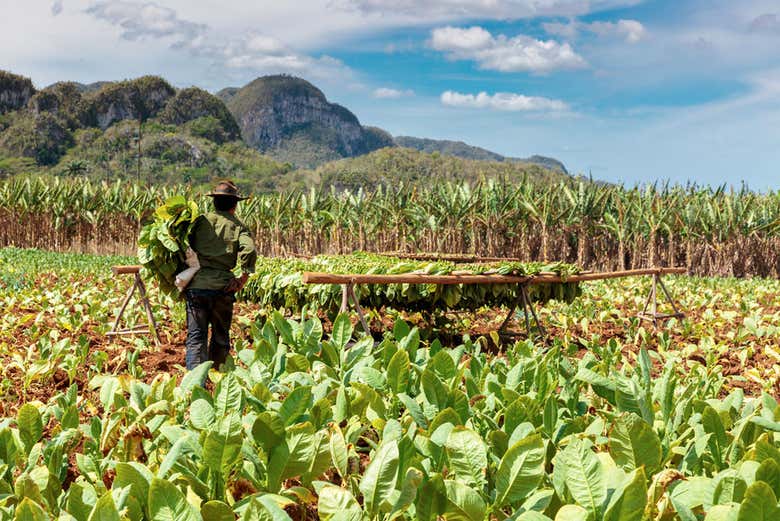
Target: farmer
x=222, y=243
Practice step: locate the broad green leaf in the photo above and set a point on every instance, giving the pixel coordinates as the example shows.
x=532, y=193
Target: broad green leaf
x=30, y=424
x=723, y=513
x=411, y=483
x=195, y=377
x=467, y=455
x=520, y=471
x=573, y=513
x=339, y=452
x=463, y=503
x=398, y=372
x=380, y=477
x=268, y=430
x=633, y=444
x=137, y=477
x=105, y=509
x=729, y=486
x=227, y=397
x=338, y=503
x=295, y=405
x=434, y=390
x=759, y=504
x=201, y=414
x=167, y=503
x=629, y=500
x=342, y=331
x=769, y=473
x=29, y=510
x=585, y=478
x=216, y=511
x=222, y=446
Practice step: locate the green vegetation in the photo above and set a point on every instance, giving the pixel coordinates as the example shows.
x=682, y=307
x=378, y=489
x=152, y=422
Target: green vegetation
x=599, y=227
x=278, y=283
x=390, y=167
x=311, y=420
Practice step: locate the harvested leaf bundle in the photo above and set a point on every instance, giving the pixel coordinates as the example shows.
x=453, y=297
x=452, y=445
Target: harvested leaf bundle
x=278, y=283
x=163, y=242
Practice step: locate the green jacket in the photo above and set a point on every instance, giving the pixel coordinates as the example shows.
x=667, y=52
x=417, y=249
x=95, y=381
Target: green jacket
x=221, y=242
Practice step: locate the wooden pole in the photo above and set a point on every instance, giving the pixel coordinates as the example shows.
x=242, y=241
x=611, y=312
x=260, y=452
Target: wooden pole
x=420, y=278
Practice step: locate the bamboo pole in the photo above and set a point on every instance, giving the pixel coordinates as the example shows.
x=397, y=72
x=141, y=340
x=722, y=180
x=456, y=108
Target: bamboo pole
x=414, y=278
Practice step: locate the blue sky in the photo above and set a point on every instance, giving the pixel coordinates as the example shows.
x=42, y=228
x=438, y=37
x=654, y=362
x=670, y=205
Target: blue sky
x=626, y=90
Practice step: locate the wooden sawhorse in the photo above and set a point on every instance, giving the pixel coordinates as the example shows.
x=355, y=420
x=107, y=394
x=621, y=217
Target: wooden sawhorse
x=138, y=284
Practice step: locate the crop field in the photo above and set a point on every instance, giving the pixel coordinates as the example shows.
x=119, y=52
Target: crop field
x=433, y=417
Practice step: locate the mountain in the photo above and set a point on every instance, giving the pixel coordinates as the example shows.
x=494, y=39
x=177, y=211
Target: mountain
x=465, y=151
x=275, y=133
x=291, y=120
x=392, y=166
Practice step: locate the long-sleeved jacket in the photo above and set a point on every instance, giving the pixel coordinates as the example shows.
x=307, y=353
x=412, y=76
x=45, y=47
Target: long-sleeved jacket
x=221, y=241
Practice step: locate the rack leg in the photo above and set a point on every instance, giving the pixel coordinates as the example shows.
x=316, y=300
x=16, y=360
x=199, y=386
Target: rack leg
x=530, y=305
x=148, y=307
x=344, y=299
x=669, y=297
x=351, y=291
x=122, y=309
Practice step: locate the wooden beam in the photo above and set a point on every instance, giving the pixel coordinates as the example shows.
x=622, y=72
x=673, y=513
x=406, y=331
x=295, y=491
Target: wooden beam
x=418, y=278
x=121, y=270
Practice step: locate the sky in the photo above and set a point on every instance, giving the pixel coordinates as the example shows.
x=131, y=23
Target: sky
x=629, y=91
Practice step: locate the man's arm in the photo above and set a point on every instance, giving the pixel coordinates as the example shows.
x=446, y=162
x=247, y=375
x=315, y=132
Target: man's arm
x=247, y=256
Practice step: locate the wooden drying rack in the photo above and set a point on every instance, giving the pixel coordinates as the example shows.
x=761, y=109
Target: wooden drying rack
x=138, y=285
x=348, y=283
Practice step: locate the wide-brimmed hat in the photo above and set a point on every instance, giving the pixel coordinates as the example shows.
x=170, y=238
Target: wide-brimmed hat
x=227, y=189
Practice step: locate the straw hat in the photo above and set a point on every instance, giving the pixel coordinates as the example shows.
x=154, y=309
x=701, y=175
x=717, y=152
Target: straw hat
x=227, y=188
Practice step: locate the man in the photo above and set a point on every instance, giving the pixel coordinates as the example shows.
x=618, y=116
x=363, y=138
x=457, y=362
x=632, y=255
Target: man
x=222, y=243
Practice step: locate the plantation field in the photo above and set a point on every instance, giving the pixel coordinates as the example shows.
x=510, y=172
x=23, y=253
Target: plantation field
x=607, y=419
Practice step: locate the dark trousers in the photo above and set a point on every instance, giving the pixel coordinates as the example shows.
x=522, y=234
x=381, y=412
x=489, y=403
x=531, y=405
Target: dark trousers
x=208, y=308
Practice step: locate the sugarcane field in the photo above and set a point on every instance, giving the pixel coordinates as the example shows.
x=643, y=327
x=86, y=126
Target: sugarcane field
x=387, y=260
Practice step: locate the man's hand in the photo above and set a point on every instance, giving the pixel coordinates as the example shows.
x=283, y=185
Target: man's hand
x=236, y=284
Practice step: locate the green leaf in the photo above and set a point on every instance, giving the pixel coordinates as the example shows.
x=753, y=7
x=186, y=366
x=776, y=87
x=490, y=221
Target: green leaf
x=411, y=483
x=463, y=503
x=729, y=486
x=227, y=398
x=467, y=455
x=202, y=414
x=398, y=372
x=380, y=477
x=520, y=471
x=342, y=331
x=572, y=513
x=29, y=510
x=769, y=473
x=759, y=504
x=633, y=444
x=195, y=377
x=338, y=451
x=585, y=479
x=222, y=446
x=629, y=500
x=30, y=424
x=295, y=405
x=105, y=509
x=216, y=511
x=434, y=390
x=135, y=476
x=268, y=430
x=337, y=503
x=167, y=503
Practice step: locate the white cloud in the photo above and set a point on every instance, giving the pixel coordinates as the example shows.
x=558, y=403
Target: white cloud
x=388, y=93
x=505, y=101
x=437, y=10
x=252, y=53
x=631, y=31
x=56, y=7
x=146, y=20
x=501, y=53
